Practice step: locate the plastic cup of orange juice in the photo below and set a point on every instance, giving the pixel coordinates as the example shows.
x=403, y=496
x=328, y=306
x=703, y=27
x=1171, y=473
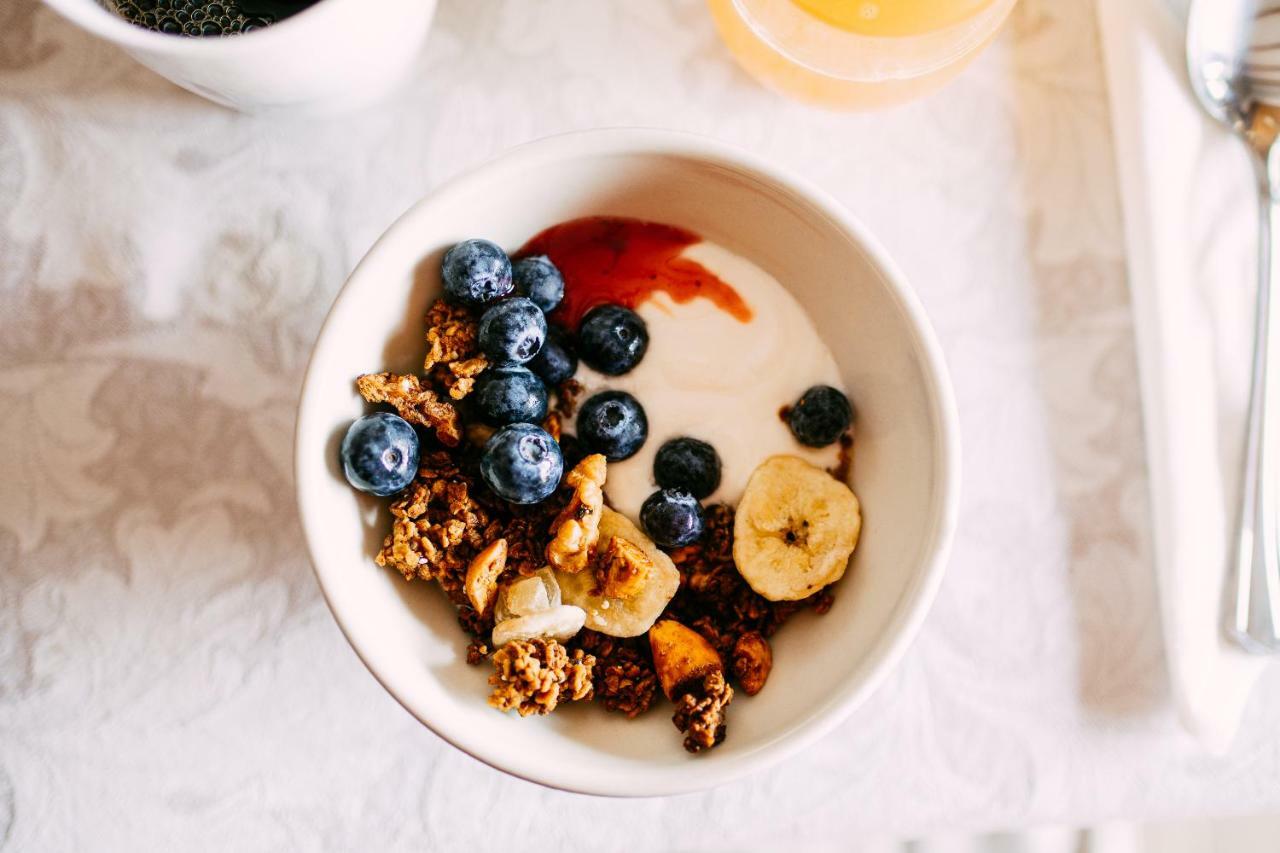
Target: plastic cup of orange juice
x=857, y=54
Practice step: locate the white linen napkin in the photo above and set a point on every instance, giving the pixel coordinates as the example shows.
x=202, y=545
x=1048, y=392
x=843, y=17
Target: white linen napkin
x=1190, y=217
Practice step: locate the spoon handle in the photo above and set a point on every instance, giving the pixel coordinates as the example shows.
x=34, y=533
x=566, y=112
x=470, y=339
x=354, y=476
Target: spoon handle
x=1255, y=622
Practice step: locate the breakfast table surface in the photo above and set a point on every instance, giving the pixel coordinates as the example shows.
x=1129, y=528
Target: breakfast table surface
x=170, y=677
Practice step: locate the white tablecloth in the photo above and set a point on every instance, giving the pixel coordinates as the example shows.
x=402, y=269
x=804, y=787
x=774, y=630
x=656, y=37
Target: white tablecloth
x=169, y=676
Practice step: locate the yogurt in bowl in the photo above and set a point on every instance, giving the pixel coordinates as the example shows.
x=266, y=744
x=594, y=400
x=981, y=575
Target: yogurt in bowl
x=727, y=350
x=884, y=354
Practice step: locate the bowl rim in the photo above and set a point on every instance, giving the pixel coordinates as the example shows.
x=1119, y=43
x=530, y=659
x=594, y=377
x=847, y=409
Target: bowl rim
x=919, y=594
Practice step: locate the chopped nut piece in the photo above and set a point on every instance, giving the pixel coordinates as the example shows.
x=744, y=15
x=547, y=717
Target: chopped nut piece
x=483, y=574
x=533, y=676
x=453, y=349
x=577, y=528
x=416, y=404
x=700, y=713
x=621, y=569
x=752, y=661
x=681, y=656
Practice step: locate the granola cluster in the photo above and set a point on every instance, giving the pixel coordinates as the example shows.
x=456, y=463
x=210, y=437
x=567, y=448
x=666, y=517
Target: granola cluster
x=451, y=366
x=714, y=600
x=533, y=676
x=443, y=522
x=700, y=713
x=453, y=357
x=624, y=677
x=414, y=402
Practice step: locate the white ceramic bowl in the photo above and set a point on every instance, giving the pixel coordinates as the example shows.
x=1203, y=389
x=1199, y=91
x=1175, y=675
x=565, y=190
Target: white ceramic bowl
x=330, y=57
x=906, y=472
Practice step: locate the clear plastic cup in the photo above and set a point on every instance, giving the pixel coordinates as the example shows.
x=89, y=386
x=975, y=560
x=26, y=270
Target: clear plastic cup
x=857, y=54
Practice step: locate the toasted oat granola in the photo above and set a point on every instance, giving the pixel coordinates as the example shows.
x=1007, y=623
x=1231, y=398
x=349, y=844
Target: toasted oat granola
x=567, y=395
x=446, y=518
x=623, y=675
x=713, y=598
x=453, y=358
x=415, y=403
x=700, y=713
x=533, y=676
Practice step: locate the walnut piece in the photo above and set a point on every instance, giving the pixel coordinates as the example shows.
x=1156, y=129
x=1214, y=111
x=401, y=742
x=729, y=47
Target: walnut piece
x=700, y=713
x=621, y=569
x=453, y=349
x=483, y=574
x=533, y=676
x=752, y=660
x=416, y=404
x=577, y=528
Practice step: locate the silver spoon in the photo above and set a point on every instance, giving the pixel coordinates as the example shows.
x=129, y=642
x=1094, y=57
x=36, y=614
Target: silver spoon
x=1228, y=82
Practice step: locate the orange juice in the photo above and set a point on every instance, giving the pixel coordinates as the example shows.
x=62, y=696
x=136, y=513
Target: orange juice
x=856, y=54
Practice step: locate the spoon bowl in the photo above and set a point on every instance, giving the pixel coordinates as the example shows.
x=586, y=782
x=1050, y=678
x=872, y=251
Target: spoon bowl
x=1232, y=77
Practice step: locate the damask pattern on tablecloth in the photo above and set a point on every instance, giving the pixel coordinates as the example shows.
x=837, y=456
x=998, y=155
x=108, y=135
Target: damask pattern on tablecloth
x=169, y=676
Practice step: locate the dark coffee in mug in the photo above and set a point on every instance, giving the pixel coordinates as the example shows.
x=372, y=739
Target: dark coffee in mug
x=206, y=17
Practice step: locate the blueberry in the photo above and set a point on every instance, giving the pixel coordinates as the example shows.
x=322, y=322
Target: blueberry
x=612, y=339
x=537, y=278
x=820, y=416
x=689, y=464
x=510, y=394
x=572, y=450
x=380, y=454
x=672, y=518
x=522, y=464
x=556, y=361
x=612, y=423
x=512, y=330
x=476, y=272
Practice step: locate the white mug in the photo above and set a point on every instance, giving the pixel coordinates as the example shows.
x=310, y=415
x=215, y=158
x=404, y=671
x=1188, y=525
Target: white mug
x=329, y=57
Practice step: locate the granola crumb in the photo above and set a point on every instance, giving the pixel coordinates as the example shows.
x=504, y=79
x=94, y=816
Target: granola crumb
x=567, y=395
x=844, y=458
x=477, y=653
x=533, y=676
x=552, y=425
x=446, y=518
x=623, y=676
x=414, y=403
x=700, y=713
x=453, y=359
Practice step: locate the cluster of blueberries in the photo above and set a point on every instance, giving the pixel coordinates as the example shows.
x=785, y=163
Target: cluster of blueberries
x=521, y=462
